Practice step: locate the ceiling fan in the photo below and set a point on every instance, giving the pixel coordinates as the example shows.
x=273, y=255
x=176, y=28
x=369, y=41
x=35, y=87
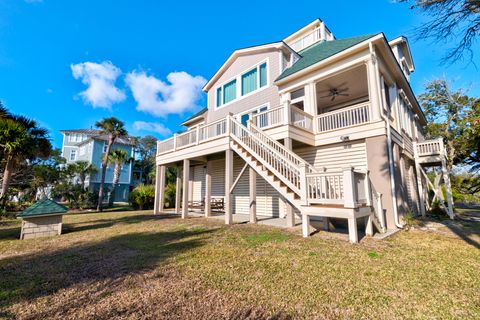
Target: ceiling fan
x=334, y=92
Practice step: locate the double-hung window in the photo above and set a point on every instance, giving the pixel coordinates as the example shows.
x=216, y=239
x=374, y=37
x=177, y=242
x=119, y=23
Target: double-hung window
x=73, y=155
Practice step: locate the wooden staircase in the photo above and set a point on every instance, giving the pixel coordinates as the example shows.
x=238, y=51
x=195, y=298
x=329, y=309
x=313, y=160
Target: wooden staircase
x=311, y=192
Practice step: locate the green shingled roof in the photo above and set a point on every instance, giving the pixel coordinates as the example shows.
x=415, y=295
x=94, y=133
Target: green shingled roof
x=43, y=207
x=321, y=51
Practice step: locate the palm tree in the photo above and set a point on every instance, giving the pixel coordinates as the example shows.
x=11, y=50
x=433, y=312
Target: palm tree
x=117, y=158
x=114, y=128
x=20, y=139
x=83, y=169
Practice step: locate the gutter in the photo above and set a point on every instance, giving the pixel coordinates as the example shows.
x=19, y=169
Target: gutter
x=390, y=152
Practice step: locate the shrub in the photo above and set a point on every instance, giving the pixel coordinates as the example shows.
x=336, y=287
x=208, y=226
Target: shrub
x=142, y=197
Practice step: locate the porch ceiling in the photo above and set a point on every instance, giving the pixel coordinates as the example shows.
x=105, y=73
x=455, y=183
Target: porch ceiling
x=352, y=83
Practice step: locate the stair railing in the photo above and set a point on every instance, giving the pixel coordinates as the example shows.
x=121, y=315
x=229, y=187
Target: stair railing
x=275, y=159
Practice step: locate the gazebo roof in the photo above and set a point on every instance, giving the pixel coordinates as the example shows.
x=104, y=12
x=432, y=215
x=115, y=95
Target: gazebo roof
x=44, y=207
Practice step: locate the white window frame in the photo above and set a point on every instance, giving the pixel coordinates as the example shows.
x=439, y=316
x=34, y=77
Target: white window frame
x=73, y=153
x=238, y=78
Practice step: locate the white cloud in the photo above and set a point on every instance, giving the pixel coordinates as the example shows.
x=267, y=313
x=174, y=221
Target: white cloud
x=158, y=98
x=152, y=127
x=100, y=79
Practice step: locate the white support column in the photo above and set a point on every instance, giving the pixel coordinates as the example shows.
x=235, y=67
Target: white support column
x=208, y=190
x=186, y=184
x=421, y=198
x=448, y=187
x=288, y=143
x=228, y=186
x=352, y=230
x=349, y=188
x=159, y=189
x=310, y=99
x=305, y=225
x=369, y=225
x=178, y=191
x=253, y=195
x=373, y=86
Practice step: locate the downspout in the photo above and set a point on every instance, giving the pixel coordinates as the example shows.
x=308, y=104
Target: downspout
x=389, y=145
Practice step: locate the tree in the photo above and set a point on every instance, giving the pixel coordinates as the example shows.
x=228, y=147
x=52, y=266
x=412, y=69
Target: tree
x=146, y=148
x=118, y=157
x=452, y=21
x=82, y=169
x=21, y=139
x=448, y=114
x=114, y=128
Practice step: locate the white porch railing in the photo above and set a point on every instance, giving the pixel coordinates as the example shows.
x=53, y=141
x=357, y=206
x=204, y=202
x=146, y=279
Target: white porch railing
x=325, y=188
x=301, y=119
x=269, y=118
x=430, y=147
x=166, y=145
x=345, y=117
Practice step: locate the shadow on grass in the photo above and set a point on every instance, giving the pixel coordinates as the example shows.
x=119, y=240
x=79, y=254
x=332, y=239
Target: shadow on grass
x=109, y=222
x=26, y=278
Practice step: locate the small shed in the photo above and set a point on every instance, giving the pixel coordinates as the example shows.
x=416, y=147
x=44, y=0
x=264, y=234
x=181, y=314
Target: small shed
x=42, y=219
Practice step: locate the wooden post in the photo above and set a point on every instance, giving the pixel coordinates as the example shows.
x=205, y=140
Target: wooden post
x=286, y=112
x=373, y=86
x=186, y=184
x=448, y=187
x=208, y=190
x=369, y=226
x=159, y=190
x=303, y=184
x=228, y=186
x=253, y=195
x=178, y=191
x=349, y=188
x=288, y=143
x=305, y=225
x=421, y=198
x=352, y=230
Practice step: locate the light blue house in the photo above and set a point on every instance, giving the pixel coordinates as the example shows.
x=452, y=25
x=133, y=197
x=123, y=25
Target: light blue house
x=90, y=145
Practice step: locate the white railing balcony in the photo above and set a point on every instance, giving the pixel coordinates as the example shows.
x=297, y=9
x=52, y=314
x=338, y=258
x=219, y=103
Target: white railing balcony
x=346, y=117
x=430, y=148
x=269, y=118
x=301, y=119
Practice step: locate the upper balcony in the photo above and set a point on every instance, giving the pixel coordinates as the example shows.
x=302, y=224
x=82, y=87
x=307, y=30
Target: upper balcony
x=430, y=151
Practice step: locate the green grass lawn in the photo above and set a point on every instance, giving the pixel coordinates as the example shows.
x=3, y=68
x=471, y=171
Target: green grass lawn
x=136, y=265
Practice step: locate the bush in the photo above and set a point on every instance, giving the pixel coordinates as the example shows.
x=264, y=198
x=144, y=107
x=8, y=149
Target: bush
x=142, y=197
x=77, y=196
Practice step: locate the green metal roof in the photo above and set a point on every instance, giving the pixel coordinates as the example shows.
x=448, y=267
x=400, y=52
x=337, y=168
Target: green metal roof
x=321, y=51
x=199, y=113
x=43, y=207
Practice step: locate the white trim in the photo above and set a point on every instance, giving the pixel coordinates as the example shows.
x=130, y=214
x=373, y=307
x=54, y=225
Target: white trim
x=238, y=79
x=277, y=45
x=238, y=116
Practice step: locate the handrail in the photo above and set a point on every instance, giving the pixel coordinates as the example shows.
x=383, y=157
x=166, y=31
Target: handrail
x=282, y=150
x=304, y=120
x=283, y=167
x=269, y=117
x=344, y=117
x=430, y=147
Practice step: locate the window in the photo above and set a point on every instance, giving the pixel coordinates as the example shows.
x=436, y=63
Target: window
x=249, y=81
x=230, y=91
x=387, y=95
x=219, y=97
x=263, y=75
x=73, y=155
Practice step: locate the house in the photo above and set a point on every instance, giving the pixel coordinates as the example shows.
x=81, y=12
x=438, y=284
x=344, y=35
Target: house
x=310, y=126
x=90, y=145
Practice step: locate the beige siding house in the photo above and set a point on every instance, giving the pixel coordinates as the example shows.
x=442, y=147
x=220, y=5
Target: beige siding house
x=310, y=127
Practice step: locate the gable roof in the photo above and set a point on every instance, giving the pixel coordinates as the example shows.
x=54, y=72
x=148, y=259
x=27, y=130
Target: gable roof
x=321, y=51
x=244, y=51
x=119, y=140
x=82, y=131
x=44, y=207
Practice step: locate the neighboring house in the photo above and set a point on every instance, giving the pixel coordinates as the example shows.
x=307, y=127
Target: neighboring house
x=89, y=145
x=311, y=126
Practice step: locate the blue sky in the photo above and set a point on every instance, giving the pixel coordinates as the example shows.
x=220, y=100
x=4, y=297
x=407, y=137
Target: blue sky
x=145, y=61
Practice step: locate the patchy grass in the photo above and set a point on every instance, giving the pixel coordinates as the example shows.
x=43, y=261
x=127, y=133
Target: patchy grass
x=136, y=265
